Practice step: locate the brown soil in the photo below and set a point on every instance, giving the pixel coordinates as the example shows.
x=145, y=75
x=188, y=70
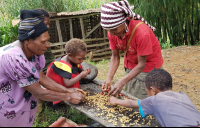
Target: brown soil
x=181, y=62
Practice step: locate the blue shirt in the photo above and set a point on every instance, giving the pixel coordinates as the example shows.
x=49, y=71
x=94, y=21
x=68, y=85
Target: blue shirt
x=171, y=109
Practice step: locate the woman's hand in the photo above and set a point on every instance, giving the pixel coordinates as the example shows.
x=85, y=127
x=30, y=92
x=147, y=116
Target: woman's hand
x=76, y=98
x=85, y=72
x=74, y=90
x=113, y=100
x=106, y=86
x=117, y=88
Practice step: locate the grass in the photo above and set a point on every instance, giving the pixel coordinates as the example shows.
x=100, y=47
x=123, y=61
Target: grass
x=198, y=43
x=48, y=116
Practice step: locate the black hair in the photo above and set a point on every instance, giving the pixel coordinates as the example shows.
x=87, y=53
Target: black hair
x=160, y=79
x=43, y=11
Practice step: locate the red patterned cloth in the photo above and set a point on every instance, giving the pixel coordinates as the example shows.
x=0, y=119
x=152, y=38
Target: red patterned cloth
x=60, y=69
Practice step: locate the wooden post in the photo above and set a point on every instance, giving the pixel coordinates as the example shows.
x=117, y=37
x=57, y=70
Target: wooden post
x=59, y=34
x=91, y=56
x=104, y=35
x=82, y=28
x=71, y=28
x=92, y=30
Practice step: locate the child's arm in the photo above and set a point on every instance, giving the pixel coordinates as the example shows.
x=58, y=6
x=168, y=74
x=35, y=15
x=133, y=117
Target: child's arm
x=126, y=103
x=70, y=82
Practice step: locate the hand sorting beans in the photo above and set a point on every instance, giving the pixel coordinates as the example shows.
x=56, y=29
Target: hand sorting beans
x=114, y=114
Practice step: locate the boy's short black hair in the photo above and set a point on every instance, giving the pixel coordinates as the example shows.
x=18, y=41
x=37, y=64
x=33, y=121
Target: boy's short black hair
x=74, y=45
x=43, y=11
x=160, y=79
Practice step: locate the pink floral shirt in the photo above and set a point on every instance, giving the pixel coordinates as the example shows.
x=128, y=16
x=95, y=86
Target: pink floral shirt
x=18, y=107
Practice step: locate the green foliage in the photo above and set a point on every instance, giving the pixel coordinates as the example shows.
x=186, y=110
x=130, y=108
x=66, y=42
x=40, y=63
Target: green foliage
x=198, y=43
x=8, y=34
x=176, y=19
x=104, y=61
x=48, y=116
x=76, y=116
x=165, y=45
x=13, y=7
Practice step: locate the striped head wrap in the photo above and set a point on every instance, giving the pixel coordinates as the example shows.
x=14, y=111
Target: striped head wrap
x=31, y=24
x=114, y=14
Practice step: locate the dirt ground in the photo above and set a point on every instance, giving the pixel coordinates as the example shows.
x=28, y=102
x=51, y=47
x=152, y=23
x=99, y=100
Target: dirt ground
x=181, y=62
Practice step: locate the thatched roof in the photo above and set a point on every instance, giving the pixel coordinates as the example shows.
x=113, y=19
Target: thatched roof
x=82, y=12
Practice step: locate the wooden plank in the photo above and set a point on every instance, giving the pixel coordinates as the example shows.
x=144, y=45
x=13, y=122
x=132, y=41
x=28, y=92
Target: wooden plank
x=92, y=30
x=71, y=28
x=97, y=51
x=99, y=82
x=59, y=50
x=103, y=53
x=90, y=56
x=99, y=59
x=57, y=44
x=98, y=45
x=70, y=17
x=59, y=32
x=87, y=110
x=104, y=34
x=91, y=111
x=57, y=56
x=82, y=28
x=85, y=40
x=108, y=52
x=107, y=57
x=94, y=39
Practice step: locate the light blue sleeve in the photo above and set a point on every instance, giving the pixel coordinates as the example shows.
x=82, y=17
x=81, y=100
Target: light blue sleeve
x=146, y=106
x=140, y=110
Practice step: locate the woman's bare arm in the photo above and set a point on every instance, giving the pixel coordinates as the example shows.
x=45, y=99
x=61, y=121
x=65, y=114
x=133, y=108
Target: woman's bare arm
x=114, y=64
x=117, y=88
x=49, y=95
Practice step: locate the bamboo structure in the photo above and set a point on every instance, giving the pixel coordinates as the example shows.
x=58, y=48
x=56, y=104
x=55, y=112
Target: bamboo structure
x=179, y=20
x=84, y=25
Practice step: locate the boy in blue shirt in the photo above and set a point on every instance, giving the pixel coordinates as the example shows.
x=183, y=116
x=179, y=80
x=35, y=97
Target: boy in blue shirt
x=171, y=109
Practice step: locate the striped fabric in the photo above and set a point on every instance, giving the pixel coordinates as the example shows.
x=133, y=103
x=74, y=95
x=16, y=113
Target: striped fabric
x=29, y=23
x=115, y=13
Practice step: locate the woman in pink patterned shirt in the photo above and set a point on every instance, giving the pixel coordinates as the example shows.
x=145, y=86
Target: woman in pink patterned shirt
x=21, y=64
